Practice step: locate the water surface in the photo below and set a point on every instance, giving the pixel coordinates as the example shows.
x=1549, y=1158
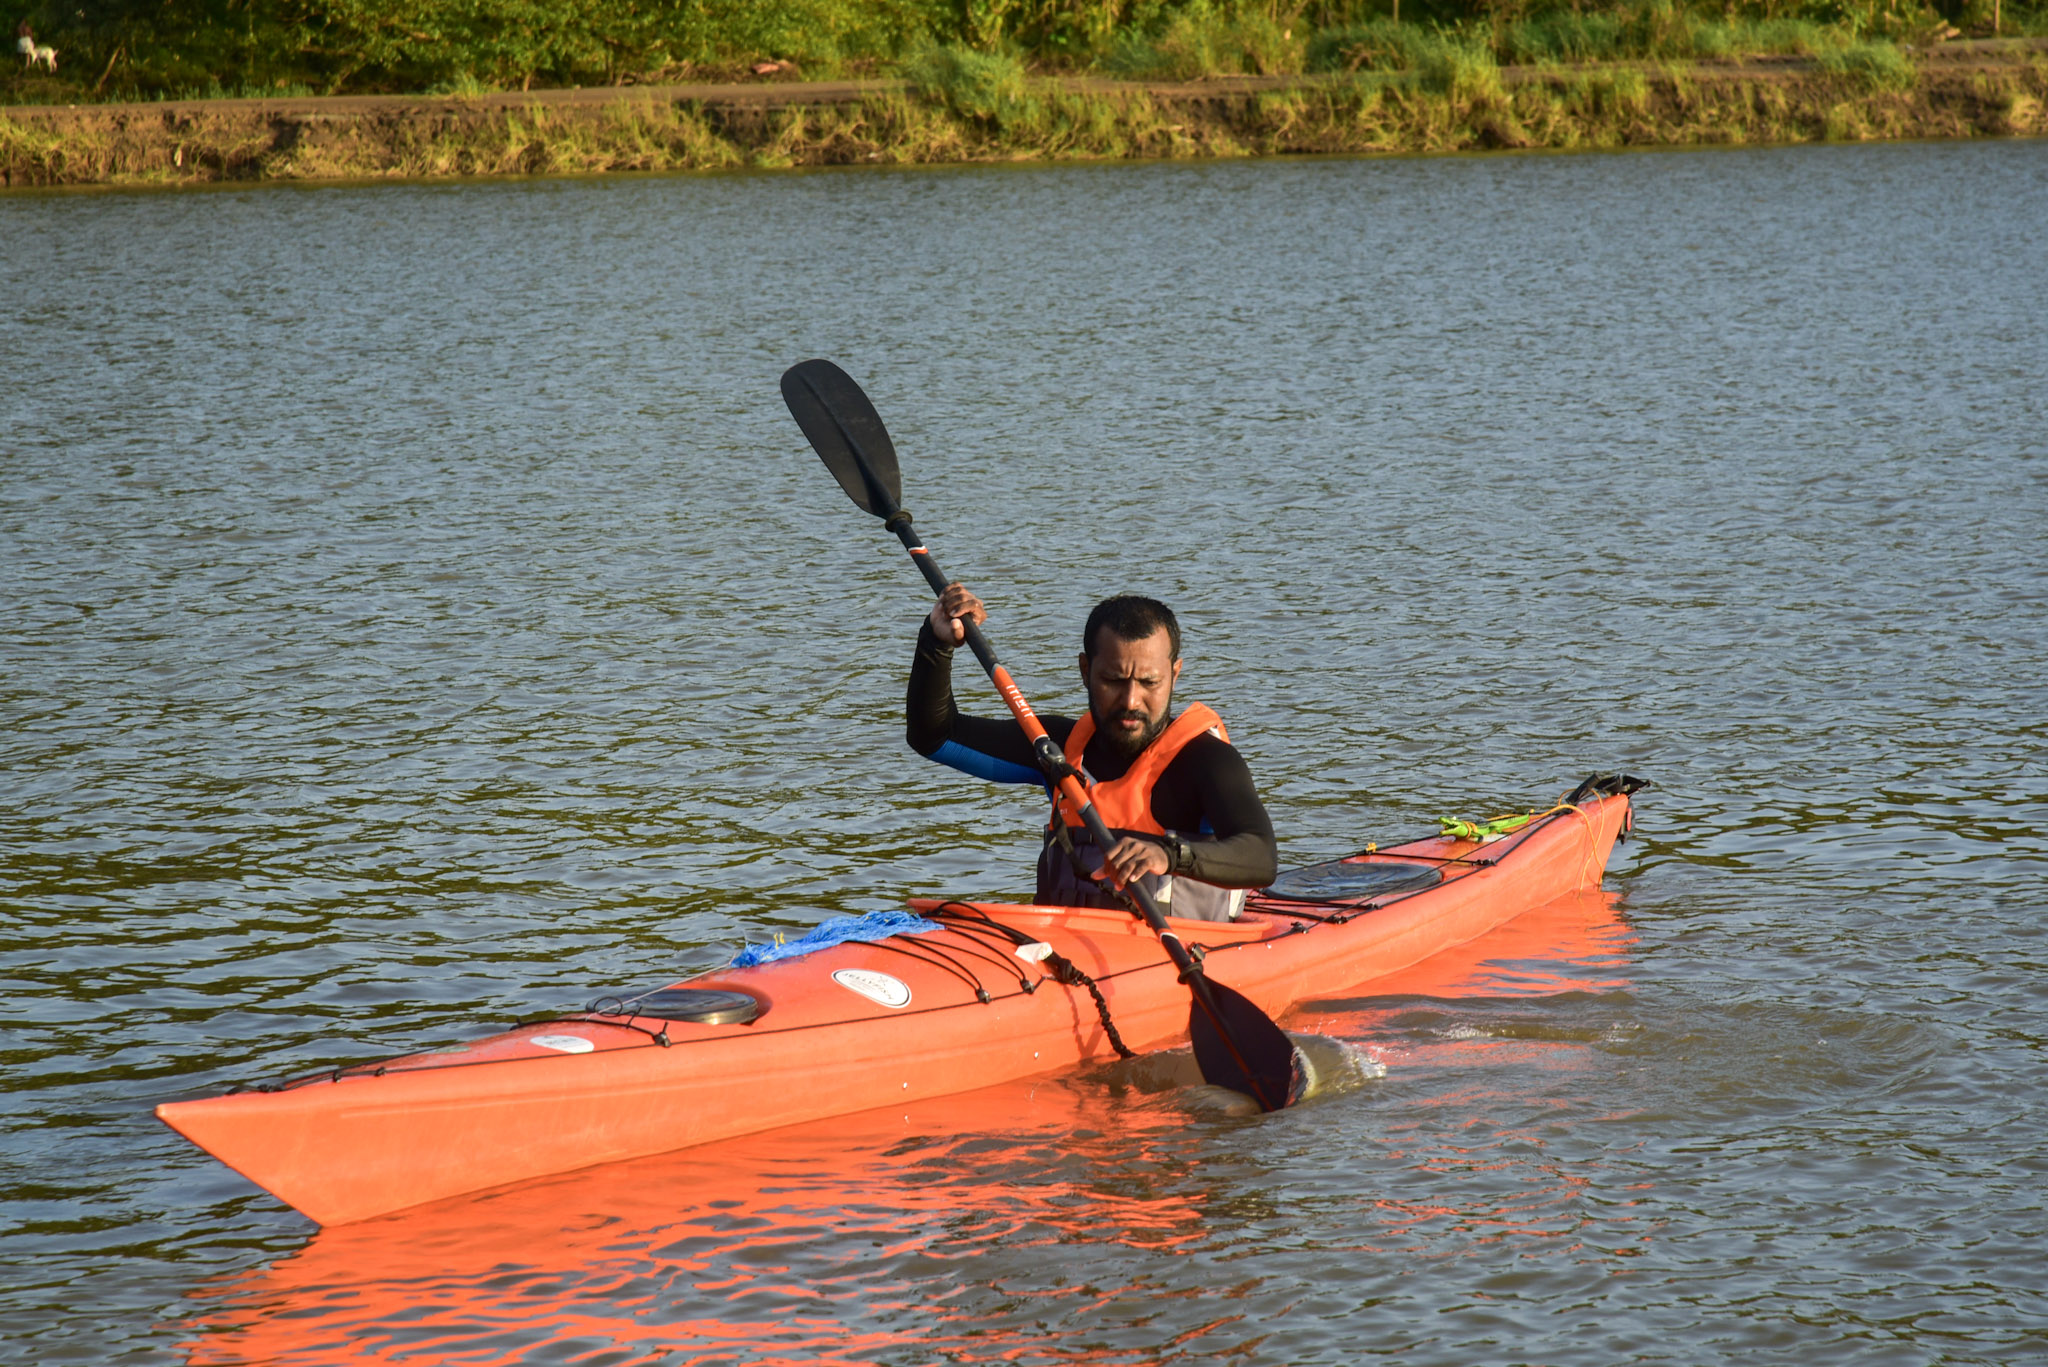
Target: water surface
x=421, y=611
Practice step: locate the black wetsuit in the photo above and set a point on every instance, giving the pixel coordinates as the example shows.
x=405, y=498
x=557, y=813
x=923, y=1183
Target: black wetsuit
x=1206, y=790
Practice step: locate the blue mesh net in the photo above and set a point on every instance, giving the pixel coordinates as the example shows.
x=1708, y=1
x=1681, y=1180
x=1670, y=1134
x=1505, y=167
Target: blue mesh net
x=876, y=925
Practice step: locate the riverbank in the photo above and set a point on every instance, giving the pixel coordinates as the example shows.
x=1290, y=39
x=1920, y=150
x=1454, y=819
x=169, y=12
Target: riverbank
x=1960, y=90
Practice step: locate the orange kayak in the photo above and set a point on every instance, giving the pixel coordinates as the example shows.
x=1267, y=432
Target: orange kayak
x=984, y=993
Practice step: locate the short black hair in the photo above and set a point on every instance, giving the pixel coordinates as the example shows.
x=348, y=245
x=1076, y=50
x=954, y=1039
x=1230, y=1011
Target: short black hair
x=1132, y=619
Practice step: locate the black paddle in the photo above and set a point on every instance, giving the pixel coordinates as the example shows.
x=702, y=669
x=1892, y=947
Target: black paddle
x=1236, y=1045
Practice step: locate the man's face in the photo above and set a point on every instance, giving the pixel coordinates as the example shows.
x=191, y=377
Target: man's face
x=1130, y=688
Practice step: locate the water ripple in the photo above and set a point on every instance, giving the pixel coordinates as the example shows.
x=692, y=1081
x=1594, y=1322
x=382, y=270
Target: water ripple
x=421, y=613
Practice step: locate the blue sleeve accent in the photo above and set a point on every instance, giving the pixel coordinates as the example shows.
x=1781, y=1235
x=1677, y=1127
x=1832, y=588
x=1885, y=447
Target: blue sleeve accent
x=954, y=755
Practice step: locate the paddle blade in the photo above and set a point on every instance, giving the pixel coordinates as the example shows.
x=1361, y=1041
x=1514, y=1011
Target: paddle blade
x=846, y=432
x=1240, y=1047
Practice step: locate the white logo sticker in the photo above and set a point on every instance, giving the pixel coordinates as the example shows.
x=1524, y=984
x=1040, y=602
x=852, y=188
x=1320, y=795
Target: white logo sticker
x=568, y=1044
x=876, y=987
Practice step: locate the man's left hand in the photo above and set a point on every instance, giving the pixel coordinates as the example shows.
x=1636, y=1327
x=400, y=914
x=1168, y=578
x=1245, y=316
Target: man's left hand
x=1132, y=856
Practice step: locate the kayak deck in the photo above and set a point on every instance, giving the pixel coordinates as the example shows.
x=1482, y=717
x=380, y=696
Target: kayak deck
x=985, y=998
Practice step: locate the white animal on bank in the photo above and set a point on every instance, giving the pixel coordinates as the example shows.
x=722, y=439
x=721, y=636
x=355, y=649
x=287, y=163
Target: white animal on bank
x=31, y=53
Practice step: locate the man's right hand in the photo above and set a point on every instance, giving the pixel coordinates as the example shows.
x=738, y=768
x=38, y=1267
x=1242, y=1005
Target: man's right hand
x=956, y=607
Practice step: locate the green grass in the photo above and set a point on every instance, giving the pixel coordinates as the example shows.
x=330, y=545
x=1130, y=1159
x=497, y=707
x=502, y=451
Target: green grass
x=462, y=83
x=1871, y=66
x=996, y=113
x=1657, y=33
x=214, y=90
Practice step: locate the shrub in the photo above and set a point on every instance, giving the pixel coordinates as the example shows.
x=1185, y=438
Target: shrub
x=987, y=87
x=1379, y=45
x=1463, y=71
x=1205, y=39
x=1564, y=38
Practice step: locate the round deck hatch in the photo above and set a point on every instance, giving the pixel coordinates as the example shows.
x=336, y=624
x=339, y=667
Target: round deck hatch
x=1340, y=880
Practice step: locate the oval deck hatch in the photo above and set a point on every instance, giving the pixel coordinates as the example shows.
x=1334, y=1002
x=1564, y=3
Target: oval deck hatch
x=1341, y=880
x=697, y=1005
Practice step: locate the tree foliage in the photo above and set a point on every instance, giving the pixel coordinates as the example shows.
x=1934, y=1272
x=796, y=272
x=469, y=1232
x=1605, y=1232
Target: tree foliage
x=117, y=47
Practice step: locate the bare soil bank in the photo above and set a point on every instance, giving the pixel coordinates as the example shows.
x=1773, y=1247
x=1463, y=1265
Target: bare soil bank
x=1961, y=91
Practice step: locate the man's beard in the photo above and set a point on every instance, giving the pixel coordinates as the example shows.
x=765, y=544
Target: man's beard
x=1131, y=745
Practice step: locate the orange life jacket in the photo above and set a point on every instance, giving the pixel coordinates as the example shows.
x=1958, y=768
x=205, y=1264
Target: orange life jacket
x=1125, y=805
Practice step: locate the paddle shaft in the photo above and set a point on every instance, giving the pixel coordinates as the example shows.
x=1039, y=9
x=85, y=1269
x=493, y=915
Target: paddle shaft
x=843, y=427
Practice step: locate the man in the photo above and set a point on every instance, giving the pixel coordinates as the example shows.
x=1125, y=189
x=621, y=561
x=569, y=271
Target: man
x=1172, y=790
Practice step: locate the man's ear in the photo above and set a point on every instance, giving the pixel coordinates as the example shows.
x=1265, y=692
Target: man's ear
x=1083, y=658
x=1176, y=671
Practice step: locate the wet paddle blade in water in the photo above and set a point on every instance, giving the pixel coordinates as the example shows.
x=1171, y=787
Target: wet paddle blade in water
x=846, y=432
x=1248, y=1053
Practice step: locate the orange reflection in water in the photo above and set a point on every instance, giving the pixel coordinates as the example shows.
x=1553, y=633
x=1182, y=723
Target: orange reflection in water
x=850, y=1241
x=764, y=1237
x=1576, y=944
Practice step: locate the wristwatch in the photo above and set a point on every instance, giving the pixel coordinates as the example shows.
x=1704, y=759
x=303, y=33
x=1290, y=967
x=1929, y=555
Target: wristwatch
x=1179, y=854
